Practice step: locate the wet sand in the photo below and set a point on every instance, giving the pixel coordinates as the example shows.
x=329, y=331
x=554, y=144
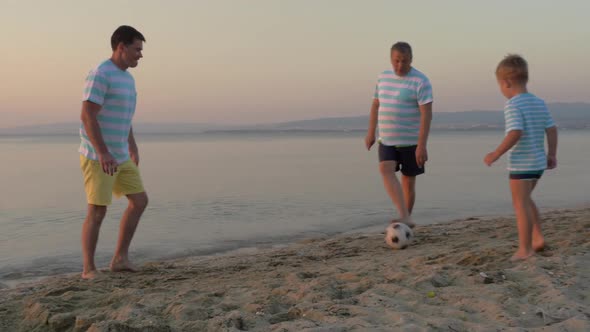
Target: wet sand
x=456, y=276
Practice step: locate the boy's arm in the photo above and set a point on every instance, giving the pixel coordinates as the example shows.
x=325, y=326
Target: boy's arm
x=425, y=120
x=511, y=138
x=551, y=133
x=370, y=138
x=89, y=113
x=133, y=151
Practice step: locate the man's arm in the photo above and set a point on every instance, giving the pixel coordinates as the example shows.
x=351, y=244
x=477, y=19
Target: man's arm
x=425, y=120
x=88, y=116
x=133, y=151
x=509, y=141
x=370, y=138
x=551, y=133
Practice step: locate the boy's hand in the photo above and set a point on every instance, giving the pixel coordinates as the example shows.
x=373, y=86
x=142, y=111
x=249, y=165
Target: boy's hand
x=551, y=162
x=490, y=158
x=421, y=156
x=369, y=141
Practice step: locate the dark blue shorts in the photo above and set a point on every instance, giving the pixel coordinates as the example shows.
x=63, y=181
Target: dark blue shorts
x=526, y=175
x=405, y=156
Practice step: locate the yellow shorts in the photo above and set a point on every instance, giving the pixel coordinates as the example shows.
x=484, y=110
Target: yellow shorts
x=100, y=186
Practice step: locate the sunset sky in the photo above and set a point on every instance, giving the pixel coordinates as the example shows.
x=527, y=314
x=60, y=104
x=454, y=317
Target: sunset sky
x=262, y=61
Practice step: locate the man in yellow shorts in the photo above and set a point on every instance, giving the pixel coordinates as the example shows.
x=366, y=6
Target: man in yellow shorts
x=109, y=156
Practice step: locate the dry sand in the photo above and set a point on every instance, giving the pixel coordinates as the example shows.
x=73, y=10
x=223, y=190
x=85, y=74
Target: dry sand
x=455, y=277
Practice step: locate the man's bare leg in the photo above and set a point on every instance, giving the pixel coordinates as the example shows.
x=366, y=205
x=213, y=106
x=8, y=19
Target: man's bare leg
x=409, y=188
x=127, y=227
x=90, y=230
x=394, y=190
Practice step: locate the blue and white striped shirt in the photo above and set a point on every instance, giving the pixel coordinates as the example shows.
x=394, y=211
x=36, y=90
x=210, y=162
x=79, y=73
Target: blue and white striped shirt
x=399, y=99
x=528, y=113
x=114, y=89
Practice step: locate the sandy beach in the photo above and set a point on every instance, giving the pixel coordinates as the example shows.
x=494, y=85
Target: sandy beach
x=455, y=277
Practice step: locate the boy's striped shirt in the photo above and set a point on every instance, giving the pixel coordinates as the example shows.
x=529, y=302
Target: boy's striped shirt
x=528, y=113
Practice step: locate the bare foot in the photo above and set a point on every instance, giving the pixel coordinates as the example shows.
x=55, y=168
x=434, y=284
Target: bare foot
x=408, y=221
x=539, y=245
x=517, y=257
x=122, y=265
x=92, y=274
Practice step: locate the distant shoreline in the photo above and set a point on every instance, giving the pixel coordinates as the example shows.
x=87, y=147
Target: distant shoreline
x=267, y=131
x=574, y=115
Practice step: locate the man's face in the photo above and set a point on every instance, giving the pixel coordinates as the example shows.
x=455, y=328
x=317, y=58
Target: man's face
x=401, y=62
x=132, y=53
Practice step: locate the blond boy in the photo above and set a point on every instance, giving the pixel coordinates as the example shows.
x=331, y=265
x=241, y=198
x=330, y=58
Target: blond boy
x=527, y=121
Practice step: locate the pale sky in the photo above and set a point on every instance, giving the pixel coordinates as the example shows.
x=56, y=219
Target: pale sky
x=257, y=61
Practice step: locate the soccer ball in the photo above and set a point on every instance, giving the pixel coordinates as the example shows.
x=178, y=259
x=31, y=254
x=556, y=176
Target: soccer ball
x=398, y=235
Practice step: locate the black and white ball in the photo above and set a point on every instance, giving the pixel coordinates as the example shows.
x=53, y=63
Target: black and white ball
x=398, y=235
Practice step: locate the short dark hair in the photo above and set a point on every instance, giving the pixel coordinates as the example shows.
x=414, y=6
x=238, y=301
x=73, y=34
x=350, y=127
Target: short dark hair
x=402, y=47
x=126, y=35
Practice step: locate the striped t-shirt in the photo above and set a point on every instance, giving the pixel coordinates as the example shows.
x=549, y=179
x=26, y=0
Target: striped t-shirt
x=399, y=99
x=528, y=113
x=114, y=90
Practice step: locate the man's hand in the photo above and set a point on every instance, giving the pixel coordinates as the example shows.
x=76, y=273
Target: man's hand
x=551, y=162
x=108, y=163
x=369, y=141
x=421, y=156
x=134, y=154
x=490, y=158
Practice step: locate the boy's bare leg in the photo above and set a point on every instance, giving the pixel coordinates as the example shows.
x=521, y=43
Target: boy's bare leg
x=521, y=199
x=409, y=188
x=394, y=190
x=127, y=227
x=538, y=239
x=90, y=230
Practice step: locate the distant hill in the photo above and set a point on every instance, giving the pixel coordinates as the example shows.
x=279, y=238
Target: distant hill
x=567, y=116
x=72, y=128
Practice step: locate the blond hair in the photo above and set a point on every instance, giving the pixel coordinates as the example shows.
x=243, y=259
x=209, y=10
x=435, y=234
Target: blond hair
x=513, y=68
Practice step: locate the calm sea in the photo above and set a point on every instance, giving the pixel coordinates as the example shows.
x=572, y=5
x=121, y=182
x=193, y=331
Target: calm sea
x=215, y=192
